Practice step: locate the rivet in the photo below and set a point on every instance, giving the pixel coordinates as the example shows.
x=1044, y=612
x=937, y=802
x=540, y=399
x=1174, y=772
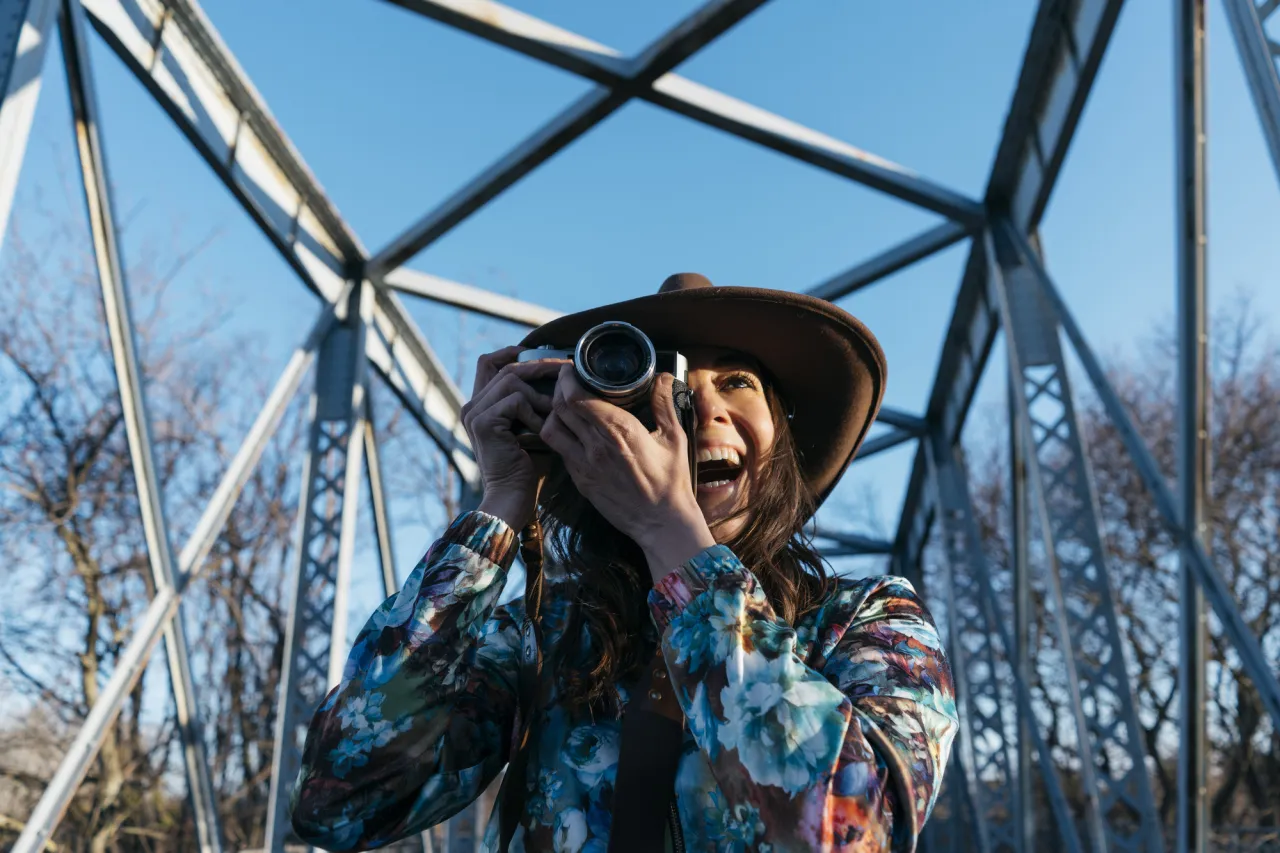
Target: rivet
x=659, y=673
x=655, y=695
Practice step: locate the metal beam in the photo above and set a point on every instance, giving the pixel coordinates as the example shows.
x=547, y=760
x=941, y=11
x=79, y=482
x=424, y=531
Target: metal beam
x=603, y=65
x=980, y=643
x=854, y=543
x=315, y=636
x=1067, y=43
x=1119, y=807
x=1219, y=595
x=162, y=609
x=197, y=82
x=411, y=368
x=887, y=263
x=1023, y=662
x=899, y=419
x=1193, y=417
x=1259, y=57
x=974, y=323
x=181, y=59
x=884, y=442
x=475, y=299
x=378, y=502
x=124, y=357
x=24, y=35
x=697, y=30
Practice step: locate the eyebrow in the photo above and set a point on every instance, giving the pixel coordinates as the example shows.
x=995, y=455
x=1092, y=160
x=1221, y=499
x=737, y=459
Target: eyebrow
x=734, y=360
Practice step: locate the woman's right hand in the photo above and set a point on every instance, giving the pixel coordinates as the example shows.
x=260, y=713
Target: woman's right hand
x=502, y=398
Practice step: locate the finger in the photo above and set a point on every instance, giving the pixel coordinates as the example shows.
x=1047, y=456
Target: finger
x=573, y=404
x=511, y=409
x=664, y=407
x=488, y=365
x=516, y=376
x=561, y=439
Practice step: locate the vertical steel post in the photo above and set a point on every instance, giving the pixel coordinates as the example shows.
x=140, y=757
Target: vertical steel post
x=1193, y=421
x=25, y=27
x=325, y=534
x=115, y=297
x=1023, y=667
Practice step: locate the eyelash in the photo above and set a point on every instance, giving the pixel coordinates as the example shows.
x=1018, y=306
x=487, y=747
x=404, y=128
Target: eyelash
x=744, y=377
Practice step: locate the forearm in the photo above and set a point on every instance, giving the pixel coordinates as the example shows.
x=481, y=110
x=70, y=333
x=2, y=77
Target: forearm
x=418, y=723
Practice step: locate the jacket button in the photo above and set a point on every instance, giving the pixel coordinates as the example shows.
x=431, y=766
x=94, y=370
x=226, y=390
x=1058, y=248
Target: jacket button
x=655, y=695
x=659, y=673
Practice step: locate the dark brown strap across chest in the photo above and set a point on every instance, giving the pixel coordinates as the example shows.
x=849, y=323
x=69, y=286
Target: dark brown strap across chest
x=652, y=737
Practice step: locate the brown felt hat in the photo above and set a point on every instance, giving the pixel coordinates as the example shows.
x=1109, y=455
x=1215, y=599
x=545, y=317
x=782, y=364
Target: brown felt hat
x=827, y=365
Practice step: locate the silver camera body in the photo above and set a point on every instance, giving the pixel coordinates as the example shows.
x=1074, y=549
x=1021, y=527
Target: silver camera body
x=619, y=363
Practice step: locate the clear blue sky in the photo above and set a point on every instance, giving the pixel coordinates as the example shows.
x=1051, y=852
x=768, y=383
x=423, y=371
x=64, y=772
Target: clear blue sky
x=394, y=112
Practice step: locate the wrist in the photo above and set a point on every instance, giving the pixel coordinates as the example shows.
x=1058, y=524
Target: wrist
x=514, y=510
x=676, y=543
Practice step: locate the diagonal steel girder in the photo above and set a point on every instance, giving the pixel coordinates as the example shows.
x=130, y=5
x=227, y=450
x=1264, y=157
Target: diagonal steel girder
x=164, y=607
x=1260, y=57
x=1064, y=50
x=697, y=30
x=622, y=79
x=124, y=357
x=176, y=54
x=25, y=28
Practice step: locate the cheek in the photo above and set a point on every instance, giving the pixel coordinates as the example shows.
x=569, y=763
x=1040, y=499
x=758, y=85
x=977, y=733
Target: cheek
x=758, y=424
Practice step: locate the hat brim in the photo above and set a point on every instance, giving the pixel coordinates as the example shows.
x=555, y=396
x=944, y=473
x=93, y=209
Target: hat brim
x=827, y=364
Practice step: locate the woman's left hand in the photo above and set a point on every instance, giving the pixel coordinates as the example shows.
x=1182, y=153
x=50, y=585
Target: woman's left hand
x=638, y=480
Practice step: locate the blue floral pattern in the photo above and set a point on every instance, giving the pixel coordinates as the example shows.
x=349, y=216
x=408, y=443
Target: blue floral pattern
x=828, y=735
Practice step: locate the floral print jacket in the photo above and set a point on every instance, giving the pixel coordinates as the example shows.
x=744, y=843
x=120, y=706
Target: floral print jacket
x=828, y=735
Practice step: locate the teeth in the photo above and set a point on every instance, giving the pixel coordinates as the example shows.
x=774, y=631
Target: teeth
x=713, y=454
x=715, y=484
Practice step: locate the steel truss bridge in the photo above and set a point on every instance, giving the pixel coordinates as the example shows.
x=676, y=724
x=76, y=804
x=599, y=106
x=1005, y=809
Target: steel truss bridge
x=363, y=329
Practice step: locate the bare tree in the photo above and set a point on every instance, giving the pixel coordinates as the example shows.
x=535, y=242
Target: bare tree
x=76, y=570
x=1143, y=562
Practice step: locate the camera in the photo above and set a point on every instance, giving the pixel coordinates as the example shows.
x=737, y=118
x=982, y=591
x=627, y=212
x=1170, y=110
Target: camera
x=619, y=363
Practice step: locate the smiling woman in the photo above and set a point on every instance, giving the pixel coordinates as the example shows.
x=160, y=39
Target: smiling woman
x=803, y=711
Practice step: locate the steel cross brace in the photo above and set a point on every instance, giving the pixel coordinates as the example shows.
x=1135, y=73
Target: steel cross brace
x=1260, y=56
x=1120, y=811
x=980, y=650
x=179, y=58
x=316, y=633
x=25, y=27
x=644, y=77
x=1217, y=592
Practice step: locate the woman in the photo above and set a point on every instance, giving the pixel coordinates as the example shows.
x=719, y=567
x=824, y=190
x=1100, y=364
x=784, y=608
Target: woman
x=818, y=712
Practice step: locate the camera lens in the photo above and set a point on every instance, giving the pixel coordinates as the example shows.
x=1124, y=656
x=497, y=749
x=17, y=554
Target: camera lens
x=615, y=358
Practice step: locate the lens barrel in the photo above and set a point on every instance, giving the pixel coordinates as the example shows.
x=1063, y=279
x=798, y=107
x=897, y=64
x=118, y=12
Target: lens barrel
x=617, y=361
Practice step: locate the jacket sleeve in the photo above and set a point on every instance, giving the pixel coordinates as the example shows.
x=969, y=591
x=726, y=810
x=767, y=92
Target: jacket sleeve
x=420, y=723
x=845, y=755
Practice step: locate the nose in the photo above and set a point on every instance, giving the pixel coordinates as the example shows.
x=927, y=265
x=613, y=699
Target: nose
x=709, y=407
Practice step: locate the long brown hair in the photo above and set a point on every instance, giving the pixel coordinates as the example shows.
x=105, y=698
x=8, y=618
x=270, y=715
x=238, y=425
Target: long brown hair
x=613, y=580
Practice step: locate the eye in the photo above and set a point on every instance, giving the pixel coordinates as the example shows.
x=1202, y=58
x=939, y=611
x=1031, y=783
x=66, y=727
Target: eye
x=740, y=380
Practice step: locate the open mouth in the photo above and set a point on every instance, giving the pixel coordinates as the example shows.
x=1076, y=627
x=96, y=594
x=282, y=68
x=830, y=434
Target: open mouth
x=718, y=469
